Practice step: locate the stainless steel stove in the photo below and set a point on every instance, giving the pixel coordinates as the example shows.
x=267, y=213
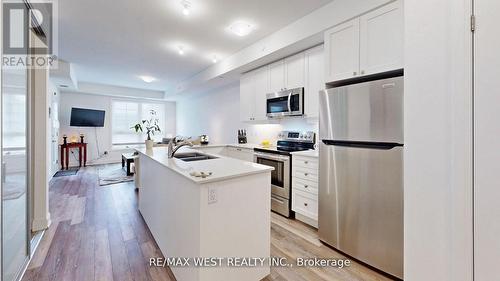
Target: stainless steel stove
x=280, y=158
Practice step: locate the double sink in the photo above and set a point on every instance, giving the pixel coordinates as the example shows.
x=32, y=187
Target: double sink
x=193, y=156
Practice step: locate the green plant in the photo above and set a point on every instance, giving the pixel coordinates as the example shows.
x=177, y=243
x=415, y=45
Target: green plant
x=151, y=125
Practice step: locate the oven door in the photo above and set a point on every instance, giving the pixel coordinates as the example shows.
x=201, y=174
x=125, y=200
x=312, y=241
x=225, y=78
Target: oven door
x=280, y=176
x=287, y=103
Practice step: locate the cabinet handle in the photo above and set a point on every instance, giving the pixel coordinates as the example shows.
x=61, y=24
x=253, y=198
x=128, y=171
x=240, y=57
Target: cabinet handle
x=354, y=73
x=305, y=204
x=306, y=174
x=306, y=186
x=239, y=149
x=306, y=162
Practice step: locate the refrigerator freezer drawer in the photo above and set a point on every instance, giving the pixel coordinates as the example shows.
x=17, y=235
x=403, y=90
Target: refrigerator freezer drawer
x=361, y=204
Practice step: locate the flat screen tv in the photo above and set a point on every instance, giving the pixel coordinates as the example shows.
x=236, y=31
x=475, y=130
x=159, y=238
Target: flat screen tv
x=82, y=117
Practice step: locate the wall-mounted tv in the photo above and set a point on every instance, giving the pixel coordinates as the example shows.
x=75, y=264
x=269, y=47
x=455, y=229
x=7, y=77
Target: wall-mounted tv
x=82, y=117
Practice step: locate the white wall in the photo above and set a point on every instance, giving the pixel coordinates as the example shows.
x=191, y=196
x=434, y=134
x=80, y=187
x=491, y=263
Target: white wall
x=100, y=102
x=216, y=114
x=40, y=145
x=486, y=141
x=438, y=141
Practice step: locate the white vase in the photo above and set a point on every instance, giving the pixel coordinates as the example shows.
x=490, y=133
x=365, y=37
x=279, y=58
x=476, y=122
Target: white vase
x=149, y=144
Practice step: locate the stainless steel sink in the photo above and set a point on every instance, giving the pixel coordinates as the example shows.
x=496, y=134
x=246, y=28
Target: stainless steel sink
x=193, y=156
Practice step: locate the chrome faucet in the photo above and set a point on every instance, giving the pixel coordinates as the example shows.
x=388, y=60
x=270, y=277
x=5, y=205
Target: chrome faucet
x=173, y=146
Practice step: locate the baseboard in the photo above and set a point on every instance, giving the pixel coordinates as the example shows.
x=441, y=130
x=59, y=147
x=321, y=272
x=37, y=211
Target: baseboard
x=307, y=220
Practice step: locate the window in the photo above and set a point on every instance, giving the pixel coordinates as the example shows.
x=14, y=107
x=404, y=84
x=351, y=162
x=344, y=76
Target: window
x=125, y=114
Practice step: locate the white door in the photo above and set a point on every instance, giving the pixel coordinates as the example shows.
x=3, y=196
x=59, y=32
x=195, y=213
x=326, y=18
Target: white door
x=54, y=121
x=247, y=97
x=277, y=76
x=315, y=80
x=295, y=67
x=342, y=51
x=487, y=141
x=382, y=39
x=261, y=89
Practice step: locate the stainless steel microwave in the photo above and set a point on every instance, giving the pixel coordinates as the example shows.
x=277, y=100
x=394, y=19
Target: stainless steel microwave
x=285, y=103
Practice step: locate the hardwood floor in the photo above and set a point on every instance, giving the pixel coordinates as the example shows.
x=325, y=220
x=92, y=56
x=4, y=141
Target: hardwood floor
x=97, y=233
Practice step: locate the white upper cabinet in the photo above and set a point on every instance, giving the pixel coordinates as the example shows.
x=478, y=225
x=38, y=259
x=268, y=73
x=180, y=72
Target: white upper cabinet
x=295, y=69
x=342, y=51
x=261, y=80
x=277, y=76
x=381, y=37
x=370, y=44
x=247, y=97
x=305, y=69
x=315, y=80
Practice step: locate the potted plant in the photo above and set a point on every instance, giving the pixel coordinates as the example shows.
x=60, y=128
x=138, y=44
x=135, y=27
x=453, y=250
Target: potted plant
x=151, y=127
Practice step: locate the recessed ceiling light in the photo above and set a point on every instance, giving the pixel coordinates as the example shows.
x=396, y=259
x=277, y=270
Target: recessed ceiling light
x=180, y=50
x=147, y=79
x=185, y=7
x=241, y=28
x=214, y=59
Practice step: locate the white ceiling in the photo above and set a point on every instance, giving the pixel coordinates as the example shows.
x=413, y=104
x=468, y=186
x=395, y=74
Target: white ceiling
x=115, y=41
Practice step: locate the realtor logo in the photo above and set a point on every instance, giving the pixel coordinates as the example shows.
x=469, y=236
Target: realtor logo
x=29, y=34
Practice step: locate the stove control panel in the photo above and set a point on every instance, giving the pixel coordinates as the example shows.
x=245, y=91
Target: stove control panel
x=297, y=136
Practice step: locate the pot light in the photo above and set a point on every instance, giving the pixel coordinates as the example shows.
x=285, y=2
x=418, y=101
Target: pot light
x=241, y=28
x=214, y=59
x=185, y=7
x=147, y=79
x=180, y=50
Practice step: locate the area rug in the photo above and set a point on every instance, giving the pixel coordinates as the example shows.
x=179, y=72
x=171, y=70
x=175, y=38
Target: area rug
x=64, y=173
x=113, y=174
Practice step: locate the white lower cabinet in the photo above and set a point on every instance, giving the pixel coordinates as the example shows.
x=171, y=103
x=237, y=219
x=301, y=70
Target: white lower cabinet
x=305, y=181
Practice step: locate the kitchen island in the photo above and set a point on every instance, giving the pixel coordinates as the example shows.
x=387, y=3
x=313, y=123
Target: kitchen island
x=224, y=215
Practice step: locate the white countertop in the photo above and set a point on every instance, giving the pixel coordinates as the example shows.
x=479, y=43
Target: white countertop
x=307, y=153
x=222, y=168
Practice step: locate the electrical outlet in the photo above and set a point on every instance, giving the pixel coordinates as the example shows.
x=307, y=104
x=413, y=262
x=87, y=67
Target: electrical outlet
x=212, y=195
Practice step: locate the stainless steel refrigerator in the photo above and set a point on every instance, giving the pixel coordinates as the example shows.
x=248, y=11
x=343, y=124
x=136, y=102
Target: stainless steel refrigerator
x=361, y=172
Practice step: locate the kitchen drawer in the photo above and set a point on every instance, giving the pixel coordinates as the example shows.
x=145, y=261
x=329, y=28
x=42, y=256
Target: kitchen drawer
x=305, y=203
x=306, y=162
x=305, y=185
x=305, y=173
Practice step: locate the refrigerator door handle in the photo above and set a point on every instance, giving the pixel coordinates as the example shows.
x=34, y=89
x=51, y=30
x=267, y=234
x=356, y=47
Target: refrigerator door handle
x=363, y=144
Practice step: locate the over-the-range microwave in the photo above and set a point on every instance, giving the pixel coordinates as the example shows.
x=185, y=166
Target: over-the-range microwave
x=285, y=103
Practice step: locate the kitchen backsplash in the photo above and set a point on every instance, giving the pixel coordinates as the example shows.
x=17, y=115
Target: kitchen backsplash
x=259, y=132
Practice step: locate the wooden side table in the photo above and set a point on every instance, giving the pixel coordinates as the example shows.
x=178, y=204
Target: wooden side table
x=82, y=150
